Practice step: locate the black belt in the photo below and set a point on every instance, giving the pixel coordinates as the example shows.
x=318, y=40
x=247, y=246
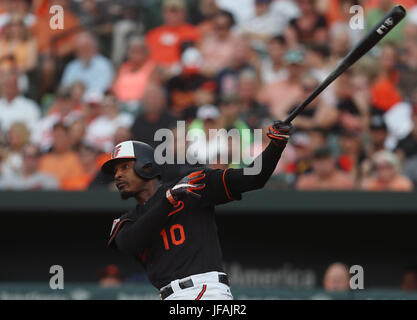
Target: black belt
x=166, y=292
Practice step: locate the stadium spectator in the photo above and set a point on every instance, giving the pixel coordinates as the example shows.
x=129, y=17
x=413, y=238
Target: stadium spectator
x=55, y=42
x=316, y=61
x=63, y=110
x=339, y=44
x=300, y=163
x=29, y=178
x=203, y=16
x=264, y=25
x=319, y=114
x=100, y=131
x=134, y=74
x=90, y=67
x=251, y=111
x=318, y=138
x=336, y=278
x=88, y=158
x=310, y=27
x=199, y=130
x=14, y=107
x=387, y=175
x=185, y=90
x=280, y=95
x=407, y=147
x=165, y=41
x=17, y=9
x=384, y=90
x=341, y=17
x=110, y=277
x=273, y=67
x=351, y=154
x=55, y=46
x=130, y=23
x=76, y=133
x=226, y=116
x=91, y=105
x=410, y=28
x=408, y=67
x=17, y=138
x=242, y=10
x=77, y=90
x=153, y=117
x=243, y=60
x=61, y=162
x=410, y=170
x=325, y=174
x=17, y=47
x=218, y=45
x=354, y=102
x=230, y=108
x=378, y=133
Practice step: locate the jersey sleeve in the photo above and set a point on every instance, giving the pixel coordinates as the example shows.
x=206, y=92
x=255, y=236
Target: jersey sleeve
x=218, y=189
x=117, y=225
x=227, y=185
x=134, y=232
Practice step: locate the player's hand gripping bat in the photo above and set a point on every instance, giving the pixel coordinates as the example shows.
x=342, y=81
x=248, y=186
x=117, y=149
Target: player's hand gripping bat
x=391, y=19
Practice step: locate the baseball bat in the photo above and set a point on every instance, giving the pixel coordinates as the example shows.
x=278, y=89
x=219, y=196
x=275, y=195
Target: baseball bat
x=381, y=29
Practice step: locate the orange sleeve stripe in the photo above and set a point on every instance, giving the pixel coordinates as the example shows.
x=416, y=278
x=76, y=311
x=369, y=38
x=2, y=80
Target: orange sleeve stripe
x=225, y=186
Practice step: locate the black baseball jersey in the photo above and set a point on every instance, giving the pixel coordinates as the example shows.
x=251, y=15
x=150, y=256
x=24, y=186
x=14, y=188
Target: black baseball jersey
x=176, y=242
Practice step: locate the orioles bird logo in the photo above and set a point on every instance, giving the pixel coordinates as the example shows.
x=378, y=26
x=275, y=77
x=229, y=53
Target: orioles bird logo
x=115, y=152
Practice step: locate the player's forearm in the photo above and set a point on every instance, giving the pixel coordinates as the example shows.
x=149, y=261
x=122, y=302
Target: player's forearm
x=136, y=236
x=239, y=182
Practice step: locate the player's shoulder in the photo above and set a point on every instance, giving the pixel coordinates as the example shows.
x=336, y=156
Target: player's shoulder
x=130, y=215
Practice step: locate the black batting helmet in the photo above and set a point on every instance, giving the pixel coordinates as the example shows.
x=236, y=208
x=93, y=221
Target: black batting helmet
x=145, y=165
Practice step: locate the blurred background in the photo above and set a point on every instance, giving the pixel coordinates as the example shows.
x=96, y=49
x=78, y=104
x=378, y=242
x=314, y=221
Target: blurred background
x=77, y=80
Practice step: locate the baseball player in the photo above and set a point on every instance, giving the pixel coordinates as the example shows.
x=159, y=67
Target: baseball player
x=172, y=231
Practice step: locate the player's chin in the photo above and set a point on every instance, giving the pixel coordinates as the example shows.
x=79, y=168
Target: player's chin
x=124, y=195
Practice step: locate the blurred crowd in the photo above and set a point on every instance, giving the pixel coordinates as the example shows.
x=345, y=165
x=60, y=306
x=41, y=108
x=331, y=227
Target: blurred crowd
x=121, y=70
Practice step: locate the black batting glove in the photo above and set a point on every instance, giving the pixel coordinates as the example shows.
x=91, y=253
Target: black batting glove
x=280, y=132
x=186, y=187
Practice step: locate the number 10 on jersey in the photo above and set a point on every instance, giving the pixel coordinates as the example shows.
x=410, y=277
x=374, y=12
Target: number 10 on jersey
x=176, y=235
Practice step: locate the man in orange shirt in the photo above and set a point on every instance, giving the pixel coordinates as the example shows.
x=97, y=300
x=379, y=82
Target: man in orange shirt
x=384, y=90
x=165, y=41
x=61, y=162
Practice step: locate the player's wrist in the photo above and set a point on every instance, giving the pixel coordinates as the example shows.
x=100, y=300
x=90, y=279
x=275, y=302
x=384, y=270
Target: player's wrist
x=171, y=197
